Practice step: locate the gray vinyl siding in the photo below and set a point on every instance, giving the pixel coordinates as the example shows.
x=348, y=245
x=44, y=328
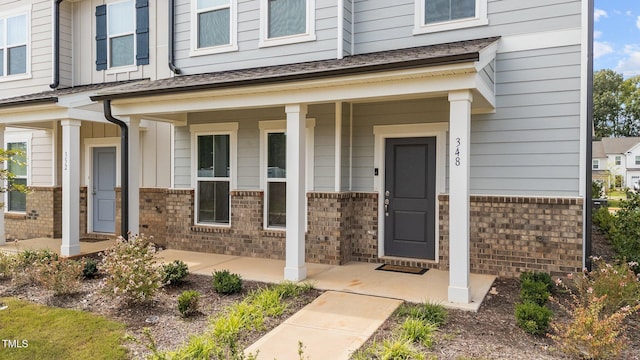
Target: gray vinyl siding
x=347, y=30
x=40, y=49
x=248, y=35
x=346, y=146
x=41, y=158
x=182, y=156
x=324, y=150
x=382, y=25
x=530, y=146
x=66, y=47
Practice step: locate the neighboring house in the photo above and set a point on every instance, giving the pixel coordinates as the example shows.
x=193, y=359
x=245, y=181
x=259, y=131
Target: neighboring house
x=616, y=161
x=449, y=135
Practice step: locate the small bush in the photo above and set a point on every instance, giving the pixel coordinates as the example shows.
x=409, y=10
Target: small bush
x=541, y=277
x=29, y=262
x=432, y=313
x=226, y=283
x=60, y=276
x=7, y=263
x=625, y=229
x=90, y=269
x=269, y=301
x=188, y=302
x=419, y=331
x=174, y=273
x=603, y=219
x=533, y=318
x=130, y=270
x=534, y=291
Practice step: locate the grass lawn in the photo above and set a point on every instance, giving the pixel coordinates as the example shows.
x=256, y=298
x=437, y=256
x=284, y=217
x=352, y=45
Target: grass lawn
x=53, y=333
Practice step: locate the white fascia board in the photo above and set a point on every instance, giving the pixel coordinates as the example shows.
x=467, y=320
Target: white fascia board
x=487, y=55
x=48, y=113
x=352, y=89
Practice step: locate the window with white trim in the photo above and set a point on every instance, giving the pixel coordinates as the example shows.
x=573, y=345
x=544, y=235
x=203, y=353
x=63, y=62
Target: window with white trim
x=14, y=37
x=595, y=164
x=441, y=15
x=213, y=26
x=121, y=33
x=16, y=201
x=637, y=160
x=618, y=160
x=214, y=161
x=287, y=21
x=273, y=162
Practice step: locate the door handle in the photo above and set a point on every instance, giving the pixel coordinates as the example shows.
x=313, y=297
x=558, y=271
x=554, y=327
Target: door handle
x=386, y=207
x=94, y=192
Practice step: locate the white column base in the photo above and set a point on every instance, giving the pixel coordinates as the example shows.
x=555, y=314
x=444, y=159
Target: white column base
x=460, y=295
x=70, y=250
x=295, y=274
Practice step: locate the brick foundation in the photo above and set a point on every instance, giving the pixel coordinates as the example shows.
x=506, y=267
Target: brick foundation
x=43, y=216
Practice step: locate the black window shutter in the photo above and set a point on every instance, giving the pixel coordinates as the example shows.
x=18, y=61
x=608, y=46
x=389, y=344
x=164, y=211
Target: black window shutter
x=142, y=32
x=101, y=37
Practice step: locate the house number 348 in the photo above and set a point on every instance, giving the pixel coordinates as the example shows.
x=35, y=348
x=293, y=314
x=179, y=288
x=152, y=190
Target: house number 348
x=457, y=153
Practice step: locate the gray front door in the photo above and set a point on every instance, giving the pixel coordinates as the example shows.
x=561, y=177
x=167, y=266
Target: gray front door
x=103, y=189
x=409, y=197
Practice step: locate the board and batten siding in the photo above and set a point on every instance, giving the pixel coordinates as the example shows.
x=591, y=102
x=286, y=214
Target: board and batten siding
x=249, y=144
x=40, y=48
x=384, y=25
x=249, y=54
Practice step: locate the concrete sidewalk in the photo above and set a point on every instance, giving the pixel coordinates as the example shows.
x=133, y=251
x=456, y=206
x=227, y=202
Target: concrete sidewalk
x=332, y=327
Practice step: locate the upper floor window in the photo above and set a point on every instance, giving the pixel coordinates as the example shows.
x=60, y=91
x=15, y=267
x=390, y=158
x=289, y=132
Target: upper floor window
x=595, y=165
x=287, y=21
x=122, y=34
x=14, y=38
x=637, y=160
x=618, y=160
x=213, y=26
x=441, y=15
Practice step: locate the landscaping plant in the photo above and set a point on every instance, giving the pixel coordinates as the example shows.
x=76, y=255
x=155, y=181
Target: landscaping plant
x=531, y=313
x=226, y=283
x=188, y=302
x=174, y=272
x=7, y=263
x=625, y=230
x=90, y=269
x=130, y=269
x=61, y=276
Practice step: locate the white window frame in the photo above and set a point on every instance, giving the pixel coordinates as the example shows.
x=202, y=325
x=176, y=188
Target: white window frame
x=233, y=30
x=123, y=68
x=481, y=19
x=231, y=129
x=22, y=10
x=277, y=126
x=617, y=160
x=12, y=139
x=637, y=159
x=595, y=164
x=309, y=35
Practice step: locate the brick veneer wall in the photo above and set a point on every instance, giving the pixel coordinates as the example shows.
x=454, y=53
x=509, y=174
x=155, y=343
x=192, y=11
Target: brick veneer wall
x=43, y=216
x=514, y=234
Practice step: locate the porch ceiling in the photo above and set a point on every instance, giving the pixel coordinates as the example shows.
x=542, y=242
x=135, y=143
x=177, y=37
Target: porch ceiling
x=430, y=71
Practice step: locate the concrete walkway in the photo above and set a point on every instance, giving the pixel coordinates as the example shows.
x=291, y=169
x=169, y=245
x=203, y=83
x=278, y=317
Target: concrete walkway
x=54, y=245
x=332, y=327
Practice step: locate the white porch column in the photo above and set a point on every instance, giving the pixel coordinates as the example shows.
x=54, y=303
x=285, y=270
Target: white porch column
x=295, y=268
x=3, y=238
x=134, y=175
x=459, y=133
x=70, y=188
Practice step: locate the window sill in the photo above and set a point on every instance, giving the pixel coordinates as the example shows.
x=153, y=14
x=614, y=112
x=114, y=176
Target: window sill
x=211, y=228
x=14, y=215
x=121, y=69
x=286, y=40
x=450, y=25
x=213, y=50
x=274, y=232
x=17, y=77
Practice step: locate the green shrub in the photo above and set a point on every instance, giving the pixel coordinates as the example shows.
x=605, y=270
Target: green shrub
x=432, y=313
x=29, y=262
x=419, y=331
x=541, y=277
x=90, y=269
x=174, y=273
x=130, y=269
x=269, y=301
x=625, y=230
x=188, y=302
x=534, y=291
x=60, y=276
x=603, y=219
x=533, y=318
x=7, y=263
x=226, y=283
x=596, y=189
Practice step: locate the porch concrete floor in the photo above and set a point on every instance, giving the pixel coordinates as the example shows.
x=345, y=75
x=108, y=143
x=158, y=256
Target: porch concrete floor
x=54, y=245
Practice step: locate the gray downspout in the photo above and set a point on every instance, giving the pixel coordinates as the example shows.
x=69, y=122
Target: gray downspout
x=588, y=209
x=56, y=46
x=172, y=20
x=124, y=167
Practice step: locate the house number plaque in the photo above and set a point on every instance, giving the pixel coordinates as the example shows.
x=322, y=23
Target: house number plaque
x=458, y=154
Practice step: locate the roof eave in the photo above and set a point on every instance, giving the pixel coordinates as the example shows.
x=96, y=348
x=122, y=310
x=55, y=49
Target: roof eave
x=29, y=102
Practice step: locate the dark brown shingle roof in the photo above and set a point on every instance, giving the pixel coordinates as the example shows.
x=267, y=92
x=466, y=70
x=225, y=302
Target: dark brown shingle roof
x=449, y=53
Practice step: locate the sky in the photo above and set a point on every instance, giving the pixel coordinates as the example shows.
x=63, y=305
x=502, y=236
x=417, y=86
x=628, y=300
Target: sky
x=617, y=36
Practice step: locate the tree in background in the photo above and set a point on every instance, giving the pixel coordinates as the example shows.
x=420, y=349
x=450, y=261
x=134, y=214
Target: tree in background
x=16, y=157
x=616, y=104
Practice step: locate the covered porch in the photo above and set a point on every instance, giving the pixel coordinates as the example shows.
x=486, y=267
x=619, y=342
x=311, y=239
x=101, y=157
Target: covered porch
x=453, y=81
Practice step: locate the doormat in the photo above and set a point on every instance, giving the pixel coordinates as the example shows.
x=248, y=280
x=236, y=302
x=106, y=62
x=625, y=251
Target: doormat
x=402, y=269
x=92, y=240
